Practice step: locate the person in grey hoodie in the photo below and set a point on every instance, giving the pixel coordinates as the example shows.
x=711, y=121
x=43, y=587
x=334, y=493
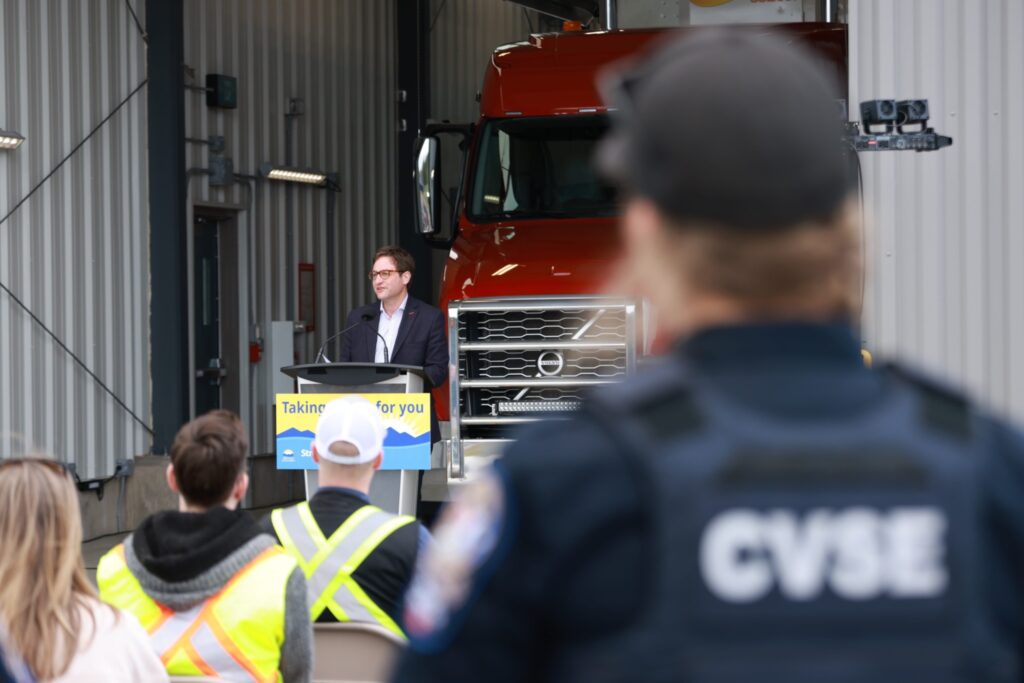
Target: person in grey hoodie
x=216, y=594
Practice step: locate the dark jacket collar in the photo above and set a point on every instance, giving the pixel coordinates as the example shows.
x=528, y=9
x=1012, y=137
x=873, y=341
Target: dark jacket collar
x=408, y=320
x=409, y=317
x=332, y=491
x=769, y=343
x=410, y=304
x=791, y=370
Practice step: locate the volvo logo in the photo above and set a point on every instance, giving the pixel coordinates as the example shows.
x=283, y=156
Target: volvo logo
x=550, y=363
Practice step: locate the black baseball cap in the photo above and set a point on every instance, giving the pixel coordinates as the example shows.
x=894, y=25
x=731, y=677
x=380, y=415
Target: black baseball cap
x=730, y=127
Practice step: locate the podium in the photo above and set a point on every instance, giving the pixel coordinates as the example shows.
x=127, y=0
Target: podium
x=392, y=490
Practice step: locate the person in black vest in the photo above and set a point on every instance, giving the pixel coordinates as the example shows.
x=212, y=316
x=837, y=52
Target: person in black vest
x=398, y=328
x=370, y=553
x=757, y=505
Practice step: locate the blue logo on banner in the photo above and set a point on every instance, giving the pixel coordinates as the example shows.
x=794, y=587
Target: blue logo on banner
x=295, y=450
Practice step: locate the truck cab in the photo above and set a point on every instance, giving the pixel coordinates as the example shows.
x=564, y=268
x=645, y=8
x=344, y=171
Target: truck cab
x=534, y=239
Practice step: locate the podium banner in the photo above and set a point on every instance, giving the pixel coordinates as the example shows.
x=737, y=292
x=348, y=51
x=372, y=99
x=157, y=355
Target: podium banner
x=406, y=420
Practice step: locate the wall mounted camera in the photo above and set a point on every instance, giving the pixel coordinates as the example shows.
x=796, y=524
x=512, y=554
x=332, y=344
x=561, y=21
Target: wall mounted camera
x=874, y=113
x=912, y=113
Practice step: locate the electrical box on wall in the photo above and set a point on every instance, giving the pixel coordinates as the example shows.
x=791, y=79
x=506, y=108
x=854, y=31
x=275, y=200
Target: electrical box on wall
x=222, y=172
x=221, y=91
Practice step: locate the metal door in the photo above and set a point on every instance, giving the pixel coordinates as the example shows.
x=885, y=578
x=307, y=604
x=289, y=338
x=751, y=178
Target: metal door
x=209, y=361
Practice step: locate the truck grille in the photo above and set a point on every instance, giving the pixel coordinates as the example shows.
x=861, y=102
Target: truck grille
x=606, y=325
x=520, y=359
x=592, y=363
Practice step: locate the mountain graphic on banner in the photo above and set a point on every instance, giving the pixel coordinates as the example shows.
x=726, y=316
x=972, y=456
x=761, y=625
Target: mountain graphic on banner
x=293, y=432
x=395, y=438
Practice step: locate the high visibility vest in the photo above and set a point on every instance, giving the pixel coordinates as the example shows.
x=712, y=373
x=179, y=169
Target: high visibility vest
x=235, y=634
x=330, y=563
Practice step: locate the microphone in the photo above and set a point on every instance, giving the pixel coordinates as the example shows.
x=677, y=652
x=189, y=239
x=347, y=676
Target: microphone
x=366, y=317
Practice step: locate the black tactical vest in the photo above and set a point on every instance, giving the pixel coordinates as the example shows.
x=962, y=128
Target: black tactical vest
x=847, y=551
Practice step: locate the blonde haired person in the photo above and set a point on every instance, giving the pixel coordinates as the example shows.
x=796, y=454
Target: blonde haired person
x=53, y=616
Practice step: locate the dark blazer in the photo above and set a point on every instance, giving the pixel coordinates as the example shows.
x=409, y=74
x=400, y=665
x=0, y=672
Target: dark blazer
x=421, y=341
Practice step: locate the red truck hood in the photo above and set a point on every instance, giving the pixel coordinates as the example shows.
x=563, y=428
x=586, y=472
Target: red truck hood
x=531, y=257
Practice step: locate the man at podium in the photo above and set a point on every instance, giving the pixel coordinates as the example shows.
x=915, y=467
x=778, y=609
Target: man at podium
x=398, y=328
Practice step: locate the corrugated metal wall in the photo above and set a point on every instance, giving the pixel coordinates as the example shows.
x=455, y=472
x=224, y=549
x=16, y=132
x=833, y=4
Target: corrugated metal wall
x=339, y=58
x=463, y=35
x=77, y=251
x=947, y=238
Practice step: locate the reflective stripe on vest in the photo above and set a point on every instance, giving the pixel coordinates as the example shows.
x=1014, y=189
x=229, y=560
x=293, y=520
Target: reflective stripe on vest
x=330, y=563
x=197, y=641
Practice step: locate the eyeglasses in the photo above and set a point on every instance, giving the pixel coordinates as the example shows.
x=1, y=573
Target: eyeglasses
x=383, y=274
x=52, y=465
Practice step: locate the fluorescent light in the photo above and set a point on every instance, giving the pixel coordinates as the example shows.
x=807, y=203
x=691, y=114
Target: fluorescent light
x=10, y=139
x=293, y=175
x=297, y=176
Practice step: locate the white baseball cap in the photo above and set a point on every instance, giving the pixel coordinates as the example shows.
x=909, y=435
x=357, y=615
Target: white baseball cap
x=353, y=420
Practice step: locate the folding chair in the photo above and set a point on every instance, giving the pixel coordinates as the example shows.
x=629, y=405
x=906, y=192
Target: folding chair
x=354, y=653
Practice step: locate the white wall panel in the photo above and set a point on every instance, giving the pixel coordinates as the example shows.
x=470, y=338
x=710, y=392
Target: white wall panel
x=338, y=56
x=945, y=241
x=77, y=251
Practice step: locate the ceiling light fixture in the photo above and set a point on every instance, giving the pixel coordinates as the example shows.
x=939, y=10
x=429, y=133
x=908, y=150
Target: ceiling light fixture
x=10, y=139
x=293, y=175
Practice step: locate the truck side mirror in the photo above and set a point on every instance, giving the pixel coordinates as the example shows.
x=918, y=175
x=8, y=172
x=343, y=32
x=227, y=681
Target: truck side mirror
x=427, y=174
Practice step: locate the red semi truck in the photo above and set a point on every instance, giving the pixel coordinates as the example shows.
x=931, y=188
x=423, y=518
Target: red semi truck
x=533, y=239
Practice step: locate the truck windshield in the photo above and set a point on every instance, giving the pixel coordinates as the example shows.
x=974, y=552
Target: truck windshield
x=540, y=167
